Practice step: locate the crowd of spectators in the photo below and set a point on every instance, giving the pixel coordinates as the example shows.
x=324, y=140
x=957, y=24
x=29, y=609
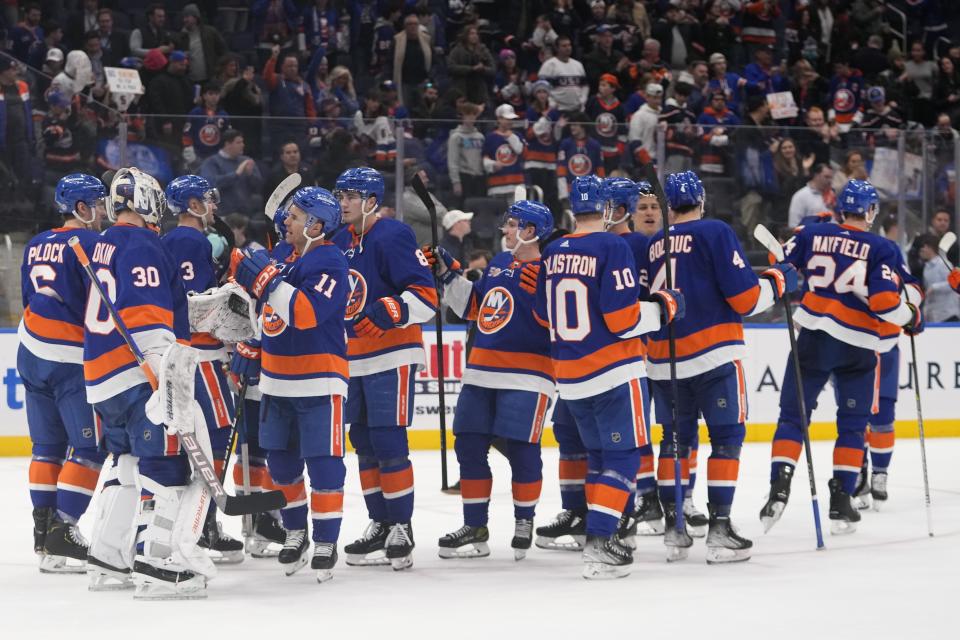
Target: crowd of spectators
x=775, y=102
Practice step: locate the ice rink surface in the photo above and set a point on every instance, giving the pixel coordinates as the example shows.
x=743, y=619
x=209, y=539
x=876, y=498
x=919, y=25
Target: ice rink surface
x=888, y=580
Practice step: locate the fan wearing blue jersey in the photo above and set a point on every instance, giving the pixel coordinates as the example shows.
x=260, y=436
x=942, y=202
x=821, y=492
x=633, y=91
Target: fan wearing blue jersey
x=304, y=376
x=508, y=381
x=568, y=531
x=64, y=431
x=709, y=266
x=852, y=292
x=391, y=293
x=587, y=296
x=194, y=200
x=150, y=474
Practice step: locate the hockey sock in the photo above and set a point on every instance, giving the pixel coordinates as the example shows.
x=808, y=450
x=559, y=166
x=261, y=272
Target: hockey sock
x=369, y=472
x=77, y=482
x=848, y=455
x=665, y=471
x=573, y=466
x=692, y=463
x=880, y=438
x=259, y=478
x=609, y=491
x=219, y=441
x=167, y=471
x=646, y=476
x=786, y=449
x=44, y=470
x=527, y=468
x=326, y=496
x=396, y=472
x=476, y=481
x=286, y=470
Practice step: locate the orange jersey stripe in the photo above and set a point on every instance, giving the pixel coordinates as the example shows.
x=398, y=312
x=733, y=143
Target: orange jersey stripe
x=305, y=365
x=146, y=315
x=510, y=360
x=722, y=469
x=622, y=319
x=108, y=362
x=884, y=301
x=698, y=341
x=54, y=329
x=427, y=294
x=609, y=355
x=303, y=315
x=826, y=306
x=204, y=340
x=392, y=338
x=539, y=156
x=744, y=303
x=216, y=396
x=512, y=178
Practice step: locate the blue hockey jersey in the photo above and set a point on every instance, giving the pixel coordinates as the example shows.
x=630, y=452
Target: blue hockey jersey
x=578, y=158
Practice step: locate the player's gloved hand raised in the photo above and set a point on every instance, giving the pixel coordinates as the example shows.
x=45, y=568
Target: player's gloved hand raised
x=954, y=279
x=528, y=276
x=444, y=265
x=257, y=273
x=380, y=316
x=245, y=363
x=784, y=278
x=916, y=324
x=672, y=305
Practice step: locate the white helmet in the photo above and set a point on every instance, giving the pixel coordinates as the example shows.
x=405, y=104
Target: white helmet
x=135, y=191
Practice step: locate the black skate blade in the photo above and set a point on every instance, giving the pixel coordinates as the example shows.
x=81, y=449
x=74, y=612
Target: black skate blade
x=253, y=503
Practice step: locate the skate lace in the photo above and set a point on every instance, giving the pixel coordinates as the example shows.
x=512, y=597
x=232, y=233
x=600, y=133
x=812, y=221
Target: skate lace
x=880, y=481
x=323, y=549
x=294, y=539
x=398, y=536
x=523, y=529
x=462, y=532
x=73, y=532
x=371, y=532
x=563, y=518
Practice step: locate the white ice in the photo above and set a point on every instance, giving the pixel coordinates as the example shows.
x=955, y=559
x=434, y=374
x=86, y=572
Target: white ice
x=887, y=580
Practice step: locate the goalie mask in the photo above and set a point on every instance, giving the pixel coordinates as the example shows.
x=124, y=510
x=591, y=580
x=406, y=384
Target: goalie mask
x=137, y=192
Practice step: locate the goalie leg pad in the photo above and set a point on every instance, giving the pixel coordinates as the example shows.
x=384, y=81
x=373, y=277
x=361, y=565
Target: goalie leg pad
x=111, y=552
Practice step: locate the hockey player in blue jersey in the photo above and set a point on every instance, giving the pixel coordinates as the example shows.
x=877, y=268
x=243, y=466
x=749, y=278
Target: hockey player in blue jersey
x=508, y=381
x=587, y=296
x=304, y=376
x=391, y=293
x=64, y=431
x=709, y=266
x=852, y=292
x=194, y=201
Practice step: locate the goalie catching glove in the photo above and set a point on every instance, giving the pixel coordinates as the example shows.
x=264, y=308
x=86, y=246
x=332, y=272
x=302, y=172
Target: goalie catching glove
x=381, y=316
x=227, y=313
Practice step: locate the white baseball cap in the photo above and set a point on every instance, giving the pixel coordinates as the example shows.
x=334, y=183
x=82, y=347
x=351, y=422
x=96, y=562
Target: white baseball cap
x=654, y=89
x=454, y=216
x=506, y=111
x=55, y=54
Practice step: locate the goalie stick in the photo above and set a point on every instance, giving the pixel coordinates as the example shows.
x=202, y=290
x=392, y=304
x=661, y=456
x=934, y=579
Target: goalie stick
x=770, y=243
x=654, y=181
x=199, y=461
x=424, y=195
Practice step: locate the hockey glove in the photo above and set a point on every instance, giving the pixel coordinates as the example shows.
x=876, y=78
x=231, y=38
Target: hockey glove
x=672, y=305
x=784, y=278
x=384, y=314
x=916, y=324
x=528, y=277
x=954, y=279
x=257, y=274
x=245, y=363
x=444, y=265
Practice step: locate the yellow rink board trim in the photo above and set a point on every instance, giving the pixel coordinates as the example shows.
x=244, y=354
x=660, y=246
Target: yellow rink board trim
x=430, y=439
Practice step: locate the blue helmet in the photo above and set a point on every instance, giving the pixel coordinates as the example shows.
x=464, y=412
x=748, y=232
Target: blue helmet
x=859, y=198
x=621, y=192
x=320, y=206
x=181, y=189
x=644, y=188
x=529, y=212
x=78, y=187
x=684, y=189
x=364, y=180
x=585, y=195
x=280, y=221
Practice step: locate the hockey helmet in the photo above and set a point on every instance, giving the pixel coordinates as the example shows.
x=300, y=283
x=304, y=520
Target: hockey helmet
x=181, y=189
x=79, y=187
x=135, y=191
x=363, y=180
x=320, y=206
x=859, y=198
x=528, y=212
x=585, y=195
x=684, y=189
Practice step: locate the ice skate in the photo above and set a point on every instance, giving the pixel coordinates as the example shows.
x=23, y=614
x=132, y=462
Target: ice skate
x=879, y=490
x=324, y=559
x=162, y=579
x=649, y=515
x=678, y=543
x=399, y=546
x=267, y=538
x=465, y=542
x=724, y=544
x=64, y=549
x=605, y=558
x=522, y=538
x=843, y=516
x=106, y=577
x=566, y=533
x=223, y=549
x=777, y=499
x=293, y=556
x=695, y=520
x=42, y=517
x=627, y=530
x=369, y=550
x=862, y=494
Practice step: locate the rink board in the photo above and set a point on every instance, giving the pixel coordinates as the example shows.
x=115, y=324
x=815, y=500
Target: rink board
x=938, y=350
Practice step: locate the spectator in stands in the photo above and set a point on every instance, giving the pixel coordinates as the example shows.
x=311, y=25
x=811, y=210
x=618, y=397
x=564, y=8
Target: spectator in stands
x=681, y=130
x=341, y=87
x=544, y=127
x=471, y=66
x=415, y=213
x=891, y=231
x=543, y=35
x=456, y=237
x=52, y=66
x=564, y=19
x=82, y=22
x=810, y=89
x=465, y=155
x=76, y=76
x=944, y=137
x=755, y=163
x=62, y=137
x=331, y=117
x=699, y=74
x=503, y=155
x=591, y=28
x=939, y=224
x=567, y=78
x=27, y=37
x=867, y=17
x=340, y=151
x=376, y=131
x=633, y=19
x=726, y=81
x=291, y=161
x=578, y=155
x=791, y=173
x=609, y=121
x=814, y=197
x=509, y=79
x=275, y=21
x=320, y=22
x=240, y=224
x=17, y=143
x=170, y=97
x=318, y=77
x=817, y=137
x=762, y=77
x=881, y=121
x=203, y=42
x=758, y=31
x=870, y=60
x=941, y=303
x=426, y=109
x=923, y=73
x=236, y=176
x=719, y=31
x=205, y=126
x=290, y=98
x=641, y=133
x=603, y=58
x=153, y=35
x=716, y=154
x=846, y=95
x=242, y=97
x=412, y=59
x=946, y=90
x=114, y=45
x=91, y=46
x=679, y=34
x=651, y=63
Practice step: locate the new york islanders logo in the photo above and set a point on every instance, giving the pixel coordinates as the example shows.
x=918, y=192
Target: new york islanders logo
x=505, y=155
x=495, y=310
x=358, y=294
x=606, y=124
x=209, y=133
x=273, y=325
x=843, y=100
x=580, y=164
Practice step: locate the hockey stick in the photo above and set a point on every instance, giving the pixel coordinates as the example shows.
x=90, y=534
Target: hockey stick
x=946, y=243
x=770, y=243
x=424, y=195
x=915, y=383
x=672, y=345
x=199, y=461
x=284, y=189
